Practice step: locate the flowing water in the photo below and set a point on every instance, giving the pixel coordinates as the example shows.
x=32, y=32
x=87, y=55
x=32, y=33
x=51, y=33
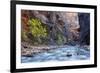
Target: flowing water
x=60, y=54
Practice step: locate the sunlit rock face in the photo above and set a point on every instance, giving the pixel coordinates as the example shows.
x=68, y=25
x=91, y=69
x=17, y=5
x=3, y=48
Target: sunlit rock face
x=73, y=21
x=71, y=25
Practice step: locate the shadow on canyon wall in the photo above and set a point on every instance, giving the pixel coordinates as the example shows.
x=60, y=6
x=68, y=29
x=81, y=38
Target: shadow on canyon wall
x=55, y=28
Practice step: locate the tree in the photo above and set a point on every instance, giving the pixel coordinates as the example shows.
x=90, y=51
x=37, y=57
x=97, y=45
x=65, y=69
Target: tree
x=37, y=29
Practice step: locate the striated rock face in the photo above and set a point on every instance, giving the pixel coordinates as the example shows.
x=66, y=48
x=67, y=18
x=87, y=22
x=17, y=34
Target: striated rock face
x=71, y=23
x=63, y=22
x=74, y=27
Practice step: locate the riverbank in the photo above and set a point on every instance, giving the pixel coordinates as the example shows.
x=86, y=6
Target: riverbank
x=29, y=50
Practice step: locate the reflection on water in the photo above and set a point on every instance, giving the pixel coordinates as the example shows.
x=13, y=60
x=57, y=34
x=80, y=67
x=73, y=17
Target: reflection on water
x=71, y=53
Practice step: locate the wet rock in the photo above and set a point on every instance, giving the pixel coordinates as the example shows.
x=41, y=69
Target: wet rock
x=69, y=54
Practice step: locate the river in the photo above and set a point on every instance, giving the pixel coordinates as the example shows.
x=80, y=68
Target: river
x=69, y=53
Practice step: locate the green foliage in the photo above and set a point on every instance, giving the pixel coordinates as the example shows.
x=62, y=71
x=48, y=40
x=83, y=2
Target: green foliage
x=23, y=35
x=37, y=29
x=60, y=39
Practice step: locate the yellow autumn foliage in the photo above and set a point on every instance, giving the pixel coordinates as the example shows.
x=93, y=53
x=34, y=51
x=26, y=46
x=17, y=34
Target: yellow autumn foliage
x=37, y=29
